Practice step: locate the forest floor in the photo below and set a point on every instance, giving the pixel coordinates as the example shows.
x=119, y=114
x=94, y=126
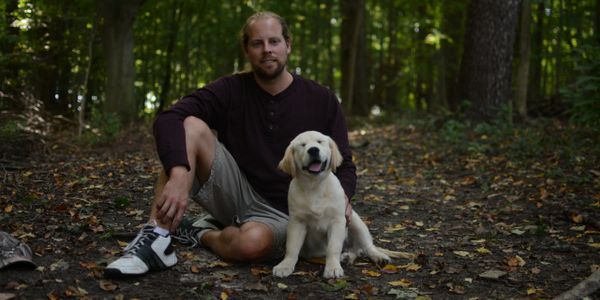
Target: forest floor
x=491, y=212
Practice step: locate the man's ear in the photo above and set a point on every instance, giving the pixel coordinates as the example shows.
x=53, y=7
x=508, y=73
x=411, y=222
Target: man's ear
x=336, y=156
x=287, y=164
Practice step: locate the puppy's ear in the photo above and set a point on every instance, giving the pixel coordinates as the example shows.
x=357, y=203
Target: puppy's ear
x=336, y=156
x=287, y=164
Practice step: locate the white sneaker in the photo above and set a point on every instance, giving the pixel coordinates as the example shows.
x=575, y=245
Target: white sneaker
x=149, y=251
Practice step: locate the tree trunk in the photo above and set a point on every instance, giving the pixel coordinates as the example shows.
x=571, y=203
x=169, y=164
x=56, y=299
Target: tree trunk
x=354, y=90
x=166, y=80
x=330, y=78
x=452, y=25
x=485, y=74
x=84, y=86
x=524, y=55
x=597, y=22
x=535, y=82
x=118, y=50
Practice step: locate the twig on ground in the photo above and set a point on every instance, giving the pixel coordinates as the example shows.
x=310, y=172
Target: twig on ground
x=585, y=288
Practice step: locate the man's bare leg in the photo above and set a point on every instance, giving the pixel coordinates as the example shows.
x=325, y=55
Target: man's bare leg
x=251, y=241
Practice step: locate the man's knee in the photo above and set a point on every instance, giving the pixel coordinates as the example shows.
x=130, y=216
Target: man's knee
x=255, y=243
x=196, y=128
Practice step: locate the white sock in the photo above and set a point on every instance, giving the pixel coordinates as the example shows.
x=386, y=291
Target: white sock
x=161, y=231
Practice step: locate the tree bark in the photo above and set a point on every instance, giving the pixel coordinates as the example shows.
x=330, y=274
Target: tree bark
x=119, y=17
x=166, y=80
x=485, y=74
x=524, y=56
x=597, y=22
x=354, y=90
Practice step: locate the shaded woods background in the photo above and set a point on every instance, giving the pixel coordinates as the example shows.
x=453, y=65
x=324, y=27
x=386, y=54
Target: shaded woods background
x=102, y=63
x=475, y=130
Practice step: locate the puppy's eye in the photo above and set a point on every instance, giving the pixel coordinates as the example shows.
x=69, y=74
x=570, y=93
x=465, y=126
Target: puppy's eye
x=320, y=142
x=303, y=144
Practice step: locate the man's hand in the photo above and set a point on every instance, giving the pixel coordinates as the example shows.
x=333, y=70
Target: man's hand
x=173, y=200
x=348, y=211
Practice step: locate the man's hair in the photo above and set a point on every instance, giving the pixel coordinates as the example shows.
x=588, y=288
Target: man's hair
x=261, y=15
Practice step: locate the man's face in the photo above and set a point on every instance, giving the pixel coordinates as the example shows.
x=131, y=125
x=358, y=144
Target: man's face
x=267, y=50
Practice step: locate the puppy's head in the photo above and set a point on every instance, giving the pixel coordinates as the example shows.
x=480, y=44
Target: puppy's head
x=311, y=152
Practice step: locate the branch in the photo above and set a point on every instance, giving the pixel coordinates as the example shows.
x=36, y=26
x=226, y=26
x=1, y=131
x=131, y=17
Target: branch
x=587, y=287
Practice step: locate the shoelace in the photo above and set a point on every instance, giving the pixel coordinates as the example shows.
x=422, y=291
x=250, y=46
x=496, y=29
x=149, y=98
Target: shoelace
x=186, y=236
x=140, y=240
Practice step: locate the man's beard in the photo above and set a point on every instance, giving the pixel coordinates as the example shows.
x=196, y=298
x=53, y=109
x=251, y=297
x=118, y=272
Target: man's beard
x=262, y=74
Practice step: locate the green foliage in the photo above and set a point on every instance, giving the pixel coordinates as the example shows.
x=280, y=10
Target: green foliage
x=584, y=94
x=567, y=146
x=9, y=130
x=121, y=202
x=102, y=129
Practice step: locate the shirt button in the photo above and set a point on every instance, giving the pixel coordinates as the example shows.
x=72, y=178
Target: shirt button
x=271, y=113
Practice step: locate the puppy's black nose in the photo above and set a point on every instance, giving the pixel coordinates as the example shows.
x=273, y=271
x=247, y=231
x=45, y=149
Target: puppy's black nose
x=313, y=151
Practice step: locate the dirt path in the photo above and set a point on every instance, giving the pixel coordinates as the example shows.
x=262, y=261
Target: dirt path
x=484, y=224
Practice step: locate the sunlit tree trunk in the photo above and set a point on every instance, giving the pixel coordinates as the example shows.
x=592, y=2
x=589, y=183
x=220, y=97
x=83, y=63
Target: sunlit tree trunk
x=118, y=19
x=485, y=74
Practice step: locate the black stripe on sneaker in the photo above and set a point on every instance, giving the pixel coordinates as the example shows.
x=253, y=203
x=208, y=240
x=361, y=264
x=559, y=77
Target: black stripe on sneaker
x=152, y=260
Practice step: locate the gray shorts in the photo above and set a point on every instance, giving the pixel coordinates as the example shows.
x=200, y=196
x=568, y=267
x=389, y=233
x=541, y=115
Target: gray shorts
x=230, y=199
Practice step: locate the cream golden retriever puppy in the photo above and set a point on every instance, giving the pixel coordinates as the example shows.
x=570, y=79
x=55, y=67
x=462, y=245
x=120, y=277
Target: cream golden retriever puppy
x=317, y=223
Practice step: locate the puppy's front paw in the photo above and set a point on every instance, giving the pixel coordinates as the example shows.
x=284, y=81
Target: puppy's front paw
x=283, y=270
x=333, y=271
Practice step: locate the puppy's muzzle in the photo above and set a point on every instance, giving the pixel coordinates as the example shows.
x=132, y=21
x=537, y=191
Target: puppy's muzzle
x=316, y=165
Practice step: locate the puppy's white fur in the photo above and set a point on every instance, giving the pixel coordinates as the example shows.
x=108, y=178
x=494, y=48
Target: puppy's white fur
x=317, y=223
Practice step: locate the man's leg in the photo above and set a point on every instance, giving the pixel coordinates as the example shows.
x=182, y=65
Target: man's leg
x=151, y=249
x=249, y=242
x=200, y=148
x=252, y=241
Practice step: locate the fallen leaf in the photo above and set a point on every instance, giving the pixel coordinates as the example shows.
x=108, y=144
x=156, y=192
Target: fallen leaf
x=395, y=228
x=483, y=250
x=7, y=296
x=516, y=261
x=469, y=180
x=404, y=293
x=462, y=253
x=410, y=267
x=334, y=286
x=594, y=245
x=492, y=274
x=8, y=208
x=401, y=282
x=577, y=218
x=352, y=296
x=108, y=285
x=390, y=269
x=224, y=296
x=371, y=273
x=533, y=291
x=195, y=268
x=218, y=263
x=282, y=286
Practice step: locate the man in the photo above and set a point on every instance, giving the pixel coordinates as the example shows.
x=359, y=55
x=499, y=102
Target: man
x=235, y=178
